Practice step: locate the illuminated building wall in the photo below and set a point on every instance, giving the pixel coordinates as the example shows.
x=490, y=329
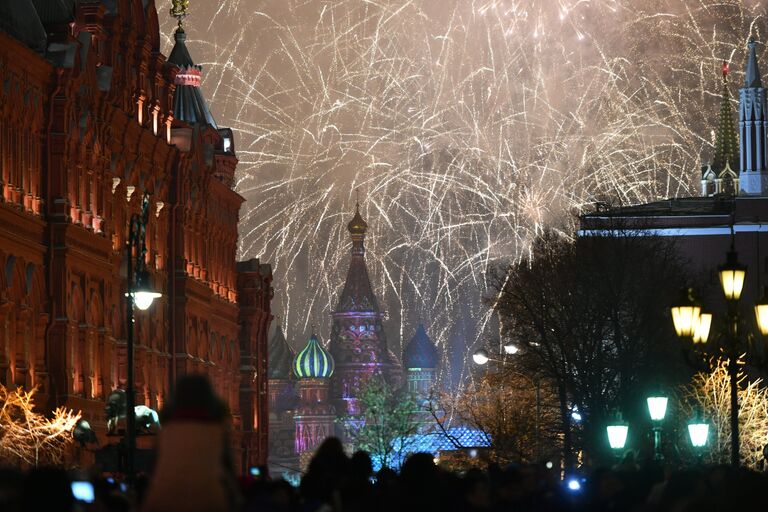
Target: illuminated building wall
x=92, y=116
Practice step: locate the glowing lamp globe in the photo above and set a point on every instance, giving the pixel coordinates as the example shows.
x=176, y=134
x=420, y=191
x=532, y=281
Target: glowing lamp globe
x=480, y=356
x=511, y=349
x=657, y=407
x=143, y=299
x=698, y=432
x=732, y=275
x=761, y=313
x=617, y=436
x=701, y=330
x=142, y=294
x=685, y=315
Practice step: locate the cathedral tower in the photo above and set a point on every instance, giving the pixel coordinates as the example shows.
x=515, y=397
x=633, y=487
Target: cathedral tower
x=358, y=342
x=420, y=359
x=753, y=128
x=314, y=415
x=282, y=401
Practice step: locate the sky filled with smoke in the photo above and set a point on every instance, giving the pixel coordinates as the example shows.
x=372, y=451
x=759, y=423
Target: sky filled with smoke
x=464, y=125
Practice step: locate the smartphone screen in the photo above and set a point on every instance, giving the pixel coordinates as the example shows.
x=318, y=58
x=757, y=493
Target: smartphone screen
x=82, y=490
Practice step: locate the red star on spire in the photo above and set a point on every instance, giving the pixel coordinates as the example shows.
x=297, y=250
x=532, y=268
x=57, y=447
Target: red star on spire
x=726, y=69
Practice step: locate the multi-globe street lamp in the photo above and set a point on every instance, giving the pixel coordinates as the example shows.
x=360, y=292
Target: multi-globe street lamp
x=481, y=357
x=692, y=323
x=141, y=295
x=617, y=430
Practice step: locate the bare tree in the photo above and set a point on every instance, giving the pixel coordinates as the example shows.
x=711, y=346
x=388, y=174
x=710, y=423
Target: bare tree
x=29, y=437
x=590, y=314
x=708, y=394
x=516, y=415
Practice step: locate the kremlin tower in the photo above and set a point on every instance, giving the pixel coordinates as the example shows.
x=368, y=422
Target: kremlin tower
x=721, y=176
x=753, y=128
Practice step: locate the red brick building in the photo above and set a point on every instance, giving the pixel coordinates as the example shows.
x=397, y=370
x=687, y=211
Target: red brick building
x=92, y=116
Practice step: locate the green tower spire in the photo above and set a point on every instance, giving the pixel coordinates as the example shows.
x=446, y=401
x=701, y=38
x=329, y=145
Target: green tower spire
x=726, y=139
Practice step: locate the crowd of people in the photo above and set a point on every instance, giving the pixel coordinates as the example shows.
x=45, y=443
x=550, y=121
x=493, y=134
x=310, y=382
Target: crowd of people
x=194, y=472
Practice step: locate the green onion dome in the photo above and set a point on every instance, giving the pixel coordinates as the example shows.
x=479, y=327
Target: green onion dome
x=313, y=362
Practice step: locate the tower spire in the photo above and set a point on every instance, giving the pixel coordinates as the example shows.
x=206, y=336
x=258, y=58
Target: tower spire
x=358, y=292
x=752, y=75
x=726, y=142
x=753, y=128
x=189, y=105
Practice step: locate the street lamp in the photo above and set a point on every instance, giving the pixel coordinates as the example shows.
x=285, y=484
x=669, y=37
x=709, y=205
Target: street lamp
x=142, y=294
x=732, y=275
x=511, y=349
x=139, y=294
x=657, y=408
x=702, y=327
x=698, y=432
x=617, y=434
x=761, y=313
x=686, y=314
x=691, y=323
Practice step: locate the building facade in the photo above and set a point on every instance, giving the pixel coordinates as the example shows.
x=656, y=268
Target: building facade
x=93, y=117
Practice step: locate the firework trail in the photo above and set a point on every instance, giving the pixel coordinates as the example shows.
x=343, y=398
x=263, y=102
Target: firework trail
x=466, y=126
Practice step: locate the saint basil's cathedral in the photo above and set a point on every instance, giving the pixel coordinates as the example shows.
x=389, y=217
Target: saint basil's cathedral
x=312, y=391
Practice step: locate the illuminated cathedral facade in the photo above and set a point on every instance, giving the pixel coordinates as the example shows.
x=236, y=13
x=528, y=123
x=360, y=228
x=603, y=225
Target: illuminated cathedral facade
x=315, y=391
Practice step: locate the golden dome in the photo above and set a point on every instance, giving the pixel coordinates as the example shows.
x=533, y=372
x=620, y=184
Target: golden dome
x=357, y=226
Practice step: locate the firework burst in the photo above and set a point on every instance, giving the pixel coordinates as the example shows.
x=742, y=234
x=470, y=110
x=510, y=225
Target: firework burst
x=466, y=126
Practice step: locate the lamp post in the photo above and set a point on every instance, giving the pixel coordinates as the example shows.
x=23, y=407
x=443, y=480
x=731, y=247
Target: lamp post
x=694, y=324
x=657, y=408
x=140, y=295
x=482, y=357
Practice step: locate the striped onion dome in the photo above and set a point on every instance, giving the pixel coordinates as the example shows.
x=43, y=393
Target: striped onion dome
x=313, y=362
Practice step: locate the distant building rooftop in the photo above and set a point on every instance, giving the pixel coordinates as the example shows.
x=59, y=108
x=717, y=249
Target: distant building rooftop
x=681, y=216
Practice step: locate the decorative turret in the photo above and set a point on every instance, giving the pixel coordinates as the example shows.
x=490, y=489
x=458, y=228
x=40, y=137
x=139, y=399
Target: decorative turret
x=420, y=359
x=189, y=105
x=280, y=356
x=420, y=351
x=722, y=175
x=282, y=402
x=314, y=416
x=358, y=293
x=358, y=342
x=313, y=362
x=753, y=128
